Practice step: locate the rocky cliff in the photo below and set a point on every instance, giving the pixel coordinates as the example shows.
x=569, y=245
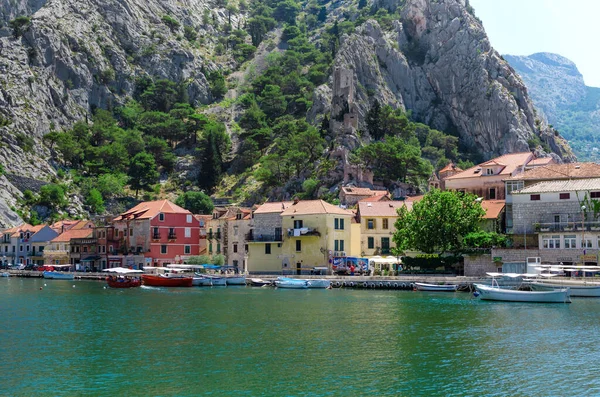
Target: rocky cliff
x=437, y=62
x=558, y=90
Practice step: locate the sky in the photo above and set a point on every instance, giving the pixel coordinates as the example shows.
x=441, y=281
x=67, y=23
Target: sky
x=568, y=28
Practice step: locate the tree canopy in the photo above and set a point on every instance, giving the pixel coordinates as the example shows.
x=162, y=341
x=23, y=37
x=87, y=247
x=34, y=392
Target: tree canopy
x=438, y=223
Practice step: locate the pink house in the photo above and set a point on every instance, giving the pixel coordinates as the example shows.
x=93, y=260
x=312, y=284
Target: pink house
x=155, y=233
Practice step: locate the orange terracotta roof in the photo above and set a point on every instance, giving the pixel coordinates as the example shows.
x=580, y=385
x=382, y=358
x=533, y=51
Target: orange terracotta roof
x=541, y=161
x=382, y=208
x=376, y=198
x=273, y=207
x=560, y=171
x=510, y=162
x=362, y=191
x=310, y=207
x=62, y=226
x=414, y=199
x=492, y=208
x=150, y=209
x=450, y=167
x=69, y=234
x=14, y=231
x=201, y=217
x=82, y=225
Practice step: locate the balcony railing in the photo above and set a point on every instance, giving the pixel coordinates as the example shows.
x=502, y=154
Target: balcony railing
x=172, y=235
x=567, y=227
x=215, y=236
x=263, y=237
x=303, y=232
x=156, y=236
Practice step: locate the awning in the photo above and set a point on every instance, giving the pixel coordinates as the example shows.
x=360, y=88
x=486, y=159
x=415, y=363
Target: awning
x=91, y=258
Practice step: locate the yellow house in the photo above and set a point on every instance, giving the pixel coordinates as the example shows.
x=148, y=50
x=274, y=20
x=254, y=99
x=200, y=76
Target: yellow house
x=314, y=232
x=376, y=221
x=265, y=240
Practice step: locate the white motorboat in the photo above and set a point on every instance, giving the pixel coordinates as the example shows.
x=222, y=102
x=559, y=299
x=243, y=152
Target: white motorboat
x=496, y=293
x=291, y=283
x=318, y=283
x=259, y=282
x=216, y=281
x=436, y=287
x=578, y=288
x=235, y=280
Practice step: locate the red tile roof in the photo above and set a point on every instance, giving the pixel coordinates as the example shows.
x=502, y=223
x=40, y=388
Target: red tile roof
x=363, y=191
x=273, y=207
x=376, y=198
x=69, y=234
x=382, y=208
x=450, y=167
x=310, y=207
x=510, y=162
x=560, y=171
x=492, y=208
x=150, y=209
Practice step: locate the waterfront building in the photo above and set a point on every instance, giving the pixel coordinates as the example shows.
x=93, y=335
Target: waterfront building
x=61, y=251
x=108, y=242
x=486, y=180
x=157, y=233
x=238, y=226
x=561, y=216
x=376, y=220
x=25, y=244
x=265, y=238
x=493, y=219
x=203, y=236
x=315, y=232
x=216, y=225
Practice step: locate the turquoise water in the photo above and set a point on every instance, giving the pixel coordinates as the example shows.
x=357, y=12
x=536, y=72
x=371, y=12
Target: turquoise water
x=87, y=340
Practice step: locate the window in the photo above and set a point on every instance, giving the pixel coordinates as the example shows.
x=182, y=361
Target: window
x=370, y=243
x=187, y=249
x=492, y=193
x=514, y=185
x=234, y=248
x=534, y=197
x=489, y=171
x=298, y=245
x=210, y=248
x=235, y=230
x=298, y=224
x=587, y=243
x=385, y=223
x=268, y=248
x=341, y=224
x=551, y=242
x=28, y=249
x=570, y=241
x=188, y=218
x=21, y=248
x=336, y=224
x=336, y=245
x=163, y=249
x=161, y=217
x=370, y=223
x=131, y=232
x=341, y=245
x=564, y=196
x=84, y=249
x=188, y=232
x=218, y=248
x=594, y=194
x=238, y=216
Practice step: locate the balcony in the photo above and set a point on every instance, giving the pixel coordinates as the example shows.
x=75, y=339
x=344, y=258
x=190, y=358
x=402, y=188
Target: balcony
x=303, y=232
x=567, y=227
x=156, y=236
x=172, y=235
x=260, y=237
x=215, y=236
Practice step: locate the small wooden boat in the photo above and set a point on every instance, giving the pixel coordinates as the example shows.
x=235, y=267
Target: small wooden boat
x=121, y=282
x=436, y=287
x=235, y=280
x=259, y=282
x=291, y=283
x=58, y=275
x=496, y=293
x=161, y=281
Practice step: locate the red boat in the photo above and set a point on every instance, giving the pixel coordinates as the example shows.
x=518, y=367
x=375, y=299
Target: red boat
x=161, y=281
x=119, y=282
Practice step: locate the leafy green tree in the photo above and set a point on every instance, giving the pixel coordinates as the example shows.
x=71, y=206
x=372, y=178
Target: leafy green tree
x=258, y=27
x=95, y=201
x=286, y=11
x=196, y=202
x=190, y=33
x=142, y=172
x=52, y=196
x=216, y=81
x=272, y=101
x=171, y=22
x=438, y=223
x=362, y=4
x=161, y=96
x=373, y=121
x=110, y=185
x=198, y=260
x=322, y=17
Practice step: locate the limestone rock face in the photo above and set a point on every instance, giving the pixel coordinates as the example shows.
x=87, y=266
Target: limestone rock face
x=76, y=55
x=438, y=63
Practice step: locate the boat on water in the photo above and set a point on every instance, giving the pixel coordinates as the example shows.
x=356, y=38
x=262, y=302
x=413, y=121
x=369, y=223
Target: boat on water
x=291, y=283
x=312, y=283
x=235, y=280
x=122, y=279
x=58, y=275
x=497, y=293
x=163, y=281
x=5, y=274
x=259, y=282
x=579, y=287
x=216, y=281
x=436, y=287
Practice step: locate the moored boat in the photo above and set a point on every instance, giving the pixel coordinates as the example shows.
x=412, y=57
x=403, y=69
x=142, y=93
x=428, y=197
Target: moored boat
x=291, y=283
x=578, y=288
x=161, y=281
x=216, y=281
x=123, y=282
x=5, y=274
x=259, y=282
x=436, y=287
x=235, y=280
x=312, y=283
x=58, y=275
x=496, y=293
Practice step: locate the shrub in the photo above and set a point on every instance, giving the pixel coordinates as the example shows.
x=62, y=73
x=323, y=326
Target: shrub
x=52, y=196
x=171, y=22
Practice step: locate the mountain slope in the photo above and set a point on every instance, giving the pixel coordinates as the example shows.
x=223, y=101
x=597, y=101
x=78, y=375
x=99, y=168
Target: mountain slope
x=429, y=58
x=558, y=89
